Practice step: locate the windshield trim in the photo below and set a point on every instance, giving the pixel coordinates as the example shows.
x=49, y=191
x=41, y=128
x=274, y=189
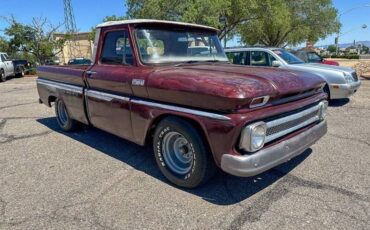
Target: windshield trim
x=190, y=61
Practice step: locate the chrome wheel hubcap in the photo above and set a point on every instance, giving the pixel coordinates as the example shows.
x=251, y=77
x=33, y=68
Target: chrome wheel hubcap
x=177, y=153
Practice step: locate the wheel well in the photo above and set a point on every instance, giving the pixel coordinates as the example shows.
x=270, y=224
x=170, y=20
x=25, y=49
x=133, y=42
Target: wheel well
x=51, y=99
x=327, y=90
x=157, y=120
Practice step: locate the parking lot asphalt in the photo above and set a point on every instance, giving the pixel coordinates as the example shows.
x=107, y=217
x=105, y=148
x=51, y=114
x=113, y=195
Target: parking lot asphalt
x=93, y=180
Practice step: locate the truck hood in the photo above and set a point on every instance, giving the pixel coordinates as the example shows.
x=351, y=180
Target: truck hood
x=222, y=86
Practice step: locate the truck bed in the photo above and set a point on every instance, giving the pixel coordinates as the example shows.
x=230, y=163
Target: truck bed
x=71, y=74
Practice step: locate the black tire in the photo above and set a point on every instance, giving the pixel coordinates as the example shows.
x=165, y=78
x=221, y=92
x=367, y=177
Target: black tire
x=64, y=120
x=21, y=72
x=2, y=76
x=327, y=91
x=201, y=166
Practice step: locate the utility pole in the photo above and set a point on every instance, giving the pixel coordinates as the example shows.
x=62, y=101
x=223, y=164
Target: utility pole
x=71, y=29
x=69, y=19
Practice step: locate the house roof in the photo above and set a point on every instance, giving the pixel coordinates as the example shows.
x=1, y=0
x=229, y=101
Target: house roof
x=152, y=21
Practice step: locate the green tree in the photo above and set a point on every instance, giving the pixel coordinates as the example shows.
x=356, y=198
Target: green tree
x=365, y=49
x=35, y=39
x=225, y=15
x=4, y=45
x=332, y=48
x=283, y=22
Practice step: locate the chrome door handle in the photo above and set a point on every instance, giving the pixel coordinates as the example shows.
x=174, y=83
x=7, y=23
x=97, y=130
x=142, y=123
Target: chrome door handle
x=90, y=72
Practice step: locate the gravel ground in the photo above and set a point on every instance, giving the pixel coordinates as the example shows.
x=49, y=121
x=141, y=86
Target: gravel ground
x=93, y=180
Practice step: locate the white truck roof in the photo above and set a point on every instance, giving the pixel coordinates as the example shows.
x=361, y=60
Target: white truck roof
x=152, y=21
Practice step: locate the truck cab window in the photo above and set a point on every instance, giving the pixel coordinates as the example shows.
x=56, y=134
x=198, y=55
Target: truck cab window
x=116, y=49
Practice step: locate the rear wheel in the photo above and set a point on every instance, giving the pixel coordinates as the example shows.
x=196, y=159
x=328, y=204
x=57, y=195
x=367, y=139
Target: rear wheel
x=21, y=72
x=63, y=118
x=2, y=76
x=182, y=154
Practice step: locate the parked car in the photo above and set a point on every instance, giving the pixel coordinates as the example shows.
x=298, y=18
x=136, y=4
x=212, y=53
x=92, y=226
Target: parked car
x=310, y=56
x=79, y=61
x=341, y=82
x=199, y=111
x=9, y=67
x=52, y=62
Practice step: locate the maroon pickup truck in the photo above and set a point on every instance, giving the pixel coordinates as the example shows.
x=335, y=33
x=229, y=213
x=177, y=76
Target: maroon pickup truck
x=170, y=83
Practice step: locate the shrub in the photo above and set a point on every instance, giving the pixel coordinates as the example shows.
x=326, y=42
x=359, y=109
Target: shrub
x=31, y=71
x=347, y=56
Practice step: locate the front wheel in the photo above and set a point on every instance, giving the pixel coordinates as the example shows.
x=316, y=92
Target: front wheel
x=182, y=154
x=64, y=120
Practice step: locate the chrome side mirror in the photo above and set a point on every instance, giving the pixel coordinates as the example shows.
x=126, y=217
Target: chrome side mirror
x=276, y=63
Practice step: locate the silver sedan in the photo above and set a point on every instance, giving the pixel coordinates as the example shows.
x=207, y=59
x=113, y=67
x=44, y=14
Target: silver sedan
x=342, y=82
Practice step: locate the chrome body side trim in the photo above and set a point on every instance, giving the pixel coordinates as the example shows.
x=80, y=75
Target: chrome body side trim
x=104, y=96
x=53, y=85
x=180, y=109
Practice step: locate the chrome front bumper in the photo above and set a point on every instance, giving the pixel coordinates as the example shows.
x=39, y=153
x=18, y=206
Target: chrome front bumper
x=338, y=91
x=265, y=159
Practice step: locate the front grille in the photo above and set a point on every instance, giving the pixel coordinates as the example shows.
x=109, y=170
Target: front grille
x=354, y=75
x=285, y=125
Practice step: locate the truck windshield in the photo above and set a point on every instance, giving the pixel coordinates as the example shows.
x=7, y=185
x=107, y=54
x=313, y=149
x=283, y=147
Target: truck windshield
x=288, y=57
x=158, y=46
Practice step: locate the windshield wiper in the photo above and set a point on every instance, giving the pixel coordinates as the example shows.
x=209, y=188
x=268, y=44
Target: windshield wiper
x=187, y=62
x=214, y=61
x=197, y=61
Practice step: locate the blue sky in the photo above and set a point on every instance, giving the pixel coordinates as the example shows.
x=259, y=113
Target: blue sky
x=88, y=13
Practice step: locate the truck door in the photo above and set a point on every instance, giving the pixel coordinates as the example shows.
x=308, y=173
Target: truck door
x=108, y=92
x=8, y=64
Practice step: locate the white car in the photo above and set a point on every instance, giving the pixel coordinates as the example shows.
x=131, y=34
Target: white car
x=342, y=82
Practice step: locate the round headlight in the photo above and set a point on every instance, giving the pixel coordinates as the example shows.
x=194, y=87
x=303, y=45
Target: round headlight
x=323, y=110
x=258, y=136
x=253, y=137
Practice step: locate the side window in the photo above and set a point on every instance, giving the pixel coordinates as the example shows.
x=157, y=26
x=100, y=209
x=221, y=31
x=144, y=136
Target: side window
x=259, y=58
x=116, y=49
x=271, y=59
x=237, y=58
x=1, y=58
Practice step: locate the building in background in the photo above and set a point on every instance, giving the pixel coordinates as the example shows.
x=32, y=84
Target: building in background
x=80, y=47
